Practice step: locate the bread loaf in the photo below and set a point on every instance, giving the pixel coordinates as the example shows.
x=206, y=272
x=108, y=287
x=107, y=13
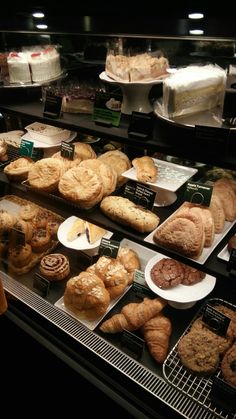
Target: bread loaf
x=128, y=213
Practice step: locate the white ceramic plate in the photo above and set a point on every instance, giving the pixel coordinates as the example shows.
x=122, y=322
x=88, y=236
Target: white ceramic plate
x=206, y=250
x=103, y=76
x=170, y=176
x=180, y=293
x=90, y=324
x=81, y=243
x=224, y=254
x=144, y=255
x=40, y=144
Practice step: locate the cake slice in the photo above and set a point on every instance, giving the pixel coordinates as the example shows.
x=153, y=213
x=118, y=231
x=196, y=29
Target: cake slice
x=77, y=228
x=94, y=232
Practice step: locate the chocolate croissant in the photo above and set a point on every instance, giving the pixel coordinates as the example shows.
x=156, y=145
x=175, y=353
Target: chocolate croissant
x=146, y=171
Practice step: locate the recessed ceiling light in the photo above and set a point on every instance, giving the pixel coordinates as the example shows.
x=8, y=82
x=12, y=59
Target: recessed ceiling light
x=196, y=32
x=41, y=26
x=196, y=15
x=38, y=14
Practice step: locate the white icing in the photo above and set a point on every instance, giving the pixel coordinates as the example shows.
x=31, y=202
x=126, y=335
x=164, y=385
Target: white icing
x=195, y=77
x=37, y=66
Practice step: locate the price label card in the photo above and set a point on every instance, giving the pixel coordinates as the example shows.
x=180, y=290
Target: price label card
x=215, y=320
x=140, y=194
x=141, y=291
x=26, y=148
x=141, y=125
x=41, y=285
x=107, y=109
x=198, y=193
x=52, y=107
x=67, y=150
x=133, y=343
x=109, y=248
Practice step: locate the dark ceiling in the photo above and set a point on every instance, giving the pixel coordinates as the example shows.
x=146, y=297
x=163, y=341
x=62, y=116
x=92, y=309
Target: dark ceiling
x=123, y=16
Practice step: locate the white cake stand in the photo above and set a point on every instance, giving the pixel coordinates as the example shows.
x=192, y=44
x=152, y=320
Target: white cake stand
x=135, y=94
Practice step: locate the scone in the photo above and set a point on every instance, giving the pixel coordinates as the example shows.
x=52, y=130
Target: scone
x=82, y=186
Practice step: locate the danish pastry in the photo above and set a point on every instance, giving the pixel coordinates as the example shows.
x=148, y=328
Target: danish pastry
x=55, y=266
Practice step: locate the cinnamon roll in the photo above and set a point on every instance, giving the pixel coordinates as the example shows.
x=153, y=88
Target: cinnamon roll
x=54, y=266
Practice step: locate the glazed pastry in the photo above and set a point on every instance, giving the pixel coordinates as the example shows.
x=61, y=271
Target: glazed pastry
x=146, y=171
x=28, y=212
x=55, y=266
x=41, y=240
x=20, y=255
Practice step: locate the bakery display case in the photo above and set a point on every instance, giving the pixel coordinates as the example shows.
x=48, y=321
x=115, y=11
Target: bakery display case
x=121, y=364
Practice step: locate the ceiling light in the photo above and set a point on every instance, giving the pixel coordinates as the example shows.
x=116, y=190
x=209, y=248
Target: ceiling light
x=41, y=26
x=196, y=15
x=196, y=32
x=38, y=15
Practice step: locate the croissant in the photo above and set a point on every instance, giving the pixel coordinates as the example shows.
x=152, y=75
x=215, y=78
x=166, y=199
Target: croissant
x=157, y=333
x=133, y=315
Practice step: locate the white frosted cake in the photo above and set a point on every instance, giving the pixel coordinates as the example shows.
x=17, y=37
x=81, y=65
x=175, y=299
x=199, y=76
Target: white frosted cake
x=45, y=65
x=193, y=89
x=34, y=66
x=18, y=66
x=142, y=67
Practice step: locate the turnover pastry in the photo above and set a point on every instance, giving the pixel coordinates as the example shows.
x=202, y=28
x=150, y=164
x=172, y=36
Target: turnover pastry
x=18, y=169
x=45, y=174
x=107, y=174
x=82, y=186
x=55, y=266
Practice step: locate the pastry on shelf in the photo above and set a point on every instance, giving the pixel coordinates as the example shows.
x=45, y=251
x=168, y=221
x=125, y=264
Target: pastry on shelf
x=86, y=296
x=54, y=266
x=133, y=316
x=156, y=333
